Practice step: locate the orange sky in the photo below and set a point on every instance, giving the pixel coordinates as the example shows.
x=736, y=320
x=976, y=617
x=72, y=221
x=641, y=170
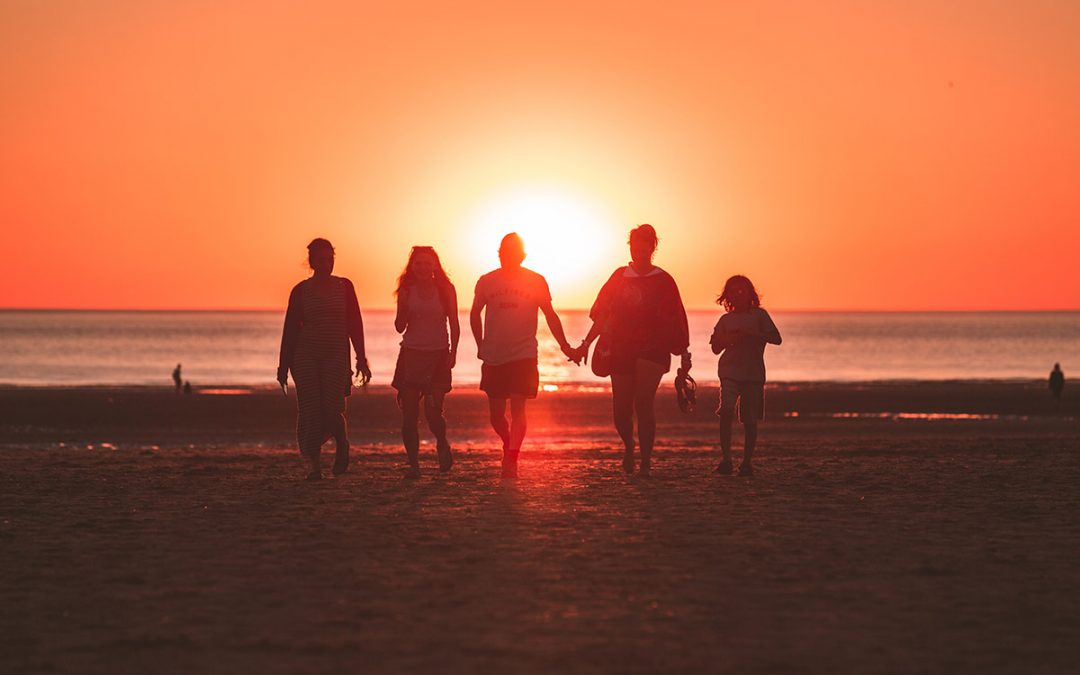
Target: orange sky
x=844, y=155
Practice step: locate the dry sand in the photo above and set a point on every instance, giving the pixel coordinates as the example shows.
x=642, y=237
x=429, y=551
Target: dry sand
x=173, y=534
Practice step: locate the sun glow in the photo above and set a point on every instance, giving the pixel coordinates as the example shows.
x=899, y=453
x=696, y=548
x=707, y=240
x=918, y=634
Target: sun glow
x=568, y=238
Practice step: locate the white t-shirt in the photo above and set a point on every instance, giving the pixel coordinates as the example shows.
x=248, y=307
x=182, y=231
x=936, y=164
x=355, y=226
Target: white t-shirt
x=512, y=297
x=745, y=359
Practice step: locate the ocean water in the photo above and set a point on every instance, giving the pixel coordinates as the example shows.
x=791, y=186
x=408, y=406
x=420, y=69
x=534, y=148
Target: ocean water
x=48, y=348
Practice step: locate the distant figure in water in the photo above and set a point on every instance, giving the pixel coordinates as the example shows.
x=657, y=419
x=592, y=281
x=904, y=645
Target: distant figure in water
x=503, y=321
x=187, y=387
x=323, y=316
x=177, y=380
x=426, y=307
x=641, y=322
x=1057, y=381
x=739, y=338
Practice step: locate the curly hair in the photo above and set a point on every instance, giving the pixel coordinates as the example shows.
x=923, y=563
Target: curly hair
x=728, y=295
x=442, y=280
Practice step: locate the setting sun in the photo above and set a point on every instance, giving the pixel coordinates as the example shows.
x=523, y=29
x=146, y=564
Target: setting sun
x=568, y=238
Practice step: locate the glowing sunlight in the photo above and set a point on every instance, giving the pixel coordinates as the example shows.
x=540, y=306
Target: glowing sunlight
x=568, y=238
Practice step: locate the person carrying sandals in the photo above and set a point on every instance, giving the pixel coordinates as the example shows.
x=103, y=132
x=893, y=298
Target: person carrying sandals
x=641, y=322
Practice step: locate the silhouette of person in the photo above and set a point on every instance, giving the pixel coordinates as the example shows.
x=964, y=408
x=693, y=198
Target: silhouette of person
x=503, y=321
x=1057, y=381
x=739, y=338
x=187, y=387
x=176, y=378
x=426, y=307
x=322, y=317
x=640, y=318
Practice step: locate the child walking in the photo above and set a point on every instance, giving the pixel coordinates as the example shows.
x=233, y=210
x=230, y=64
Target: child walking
x=739, y=338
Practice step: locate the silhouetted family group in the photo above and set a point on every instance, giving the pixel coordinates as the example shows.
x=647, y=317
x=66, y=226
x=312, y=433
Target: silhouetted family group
x=638, y=324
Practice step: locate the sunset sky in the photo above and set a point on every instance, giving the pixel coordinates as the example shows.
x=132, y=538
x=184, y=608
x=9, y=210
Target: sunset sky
x=844, y=155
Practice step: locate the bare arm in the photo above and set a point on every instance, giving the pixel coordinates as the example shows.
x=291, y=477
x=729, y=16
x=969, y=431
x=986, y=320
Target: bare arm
x=401, y=319
x=555, y=325
x=455, y=327
x=594, y=332
x=476, y=322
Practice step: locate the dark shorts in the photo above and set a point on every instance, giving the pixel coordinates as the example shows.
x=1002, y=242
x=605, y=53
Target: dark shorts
x=517, y=378
x=747, y=397
x=421, y=370
x=624, y=358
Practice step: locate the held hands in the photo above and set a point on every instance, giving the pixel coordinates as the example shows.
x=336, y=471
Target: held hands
x=583, y=351
x=572, y=354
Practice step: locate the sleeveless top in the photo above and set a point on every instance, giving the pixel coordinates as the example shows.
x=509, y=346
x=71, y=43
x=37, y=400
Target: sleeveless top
x=426, y=329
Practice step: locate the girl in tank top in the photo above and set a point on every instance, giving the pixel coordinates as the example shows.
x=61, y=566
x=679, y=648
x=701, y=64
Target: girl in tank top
x=428, y=319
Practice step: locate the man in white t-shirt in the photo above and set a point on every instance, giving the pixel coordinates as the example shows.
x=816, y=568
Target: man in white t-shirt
x=506, y=341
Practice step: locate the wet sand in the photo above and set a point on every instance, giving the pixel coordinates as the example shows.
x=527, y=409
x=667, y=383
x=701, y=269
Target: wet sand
x=142, y=531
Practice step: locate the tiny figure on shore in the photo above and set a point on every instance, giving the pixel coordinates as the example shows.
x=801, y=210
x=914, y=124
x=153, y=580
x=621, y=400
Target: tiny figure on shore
x=1057, y=381
x=427, y=317
x=177, y=380
x=187, y=387
x=739, y=338
x=503, y=321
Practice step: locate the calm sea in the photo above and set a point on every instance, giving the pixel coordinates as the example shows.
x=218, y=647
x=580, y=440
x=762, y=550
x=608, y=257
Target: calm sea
x=106, y=348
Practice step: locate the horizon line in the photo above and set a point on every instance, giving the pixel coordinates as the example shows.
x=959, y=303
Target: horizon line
x=391, y=308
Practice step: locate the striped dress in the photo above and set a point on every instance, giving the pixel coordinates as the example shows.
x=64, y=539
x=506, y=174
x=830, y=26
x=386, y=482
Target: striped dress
x=319, y=323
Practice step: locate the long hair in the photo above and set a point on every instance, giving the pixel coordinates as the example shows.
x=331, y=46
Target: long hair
x=442, y=281
x=726, y=297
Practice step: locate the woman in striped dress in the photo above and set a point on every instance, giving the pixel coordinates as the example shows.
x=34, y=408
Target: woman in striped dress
x=322, y=318
x=426, y=308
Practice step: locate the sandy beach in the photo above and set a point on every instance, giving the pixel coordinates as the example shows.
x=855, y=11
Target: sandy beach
x=891, y=528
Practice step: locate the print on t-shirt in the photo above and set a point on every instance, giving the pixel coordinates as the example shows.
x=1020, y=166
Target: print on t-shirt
x=512, y=298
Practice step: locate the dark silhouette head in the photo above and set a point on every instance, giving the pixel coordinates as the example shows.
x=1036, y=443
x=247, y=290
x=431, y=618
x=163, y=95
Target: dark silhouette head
x=424, y=264
x=512, y=250
x=320, y=255
x=1057, y=366
x=643, y=242
x=739, y=294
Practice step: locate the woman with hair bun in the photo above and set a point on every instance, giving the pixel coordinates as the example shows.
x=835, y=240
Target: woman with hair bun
x=640, y=318
x=322, y=318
